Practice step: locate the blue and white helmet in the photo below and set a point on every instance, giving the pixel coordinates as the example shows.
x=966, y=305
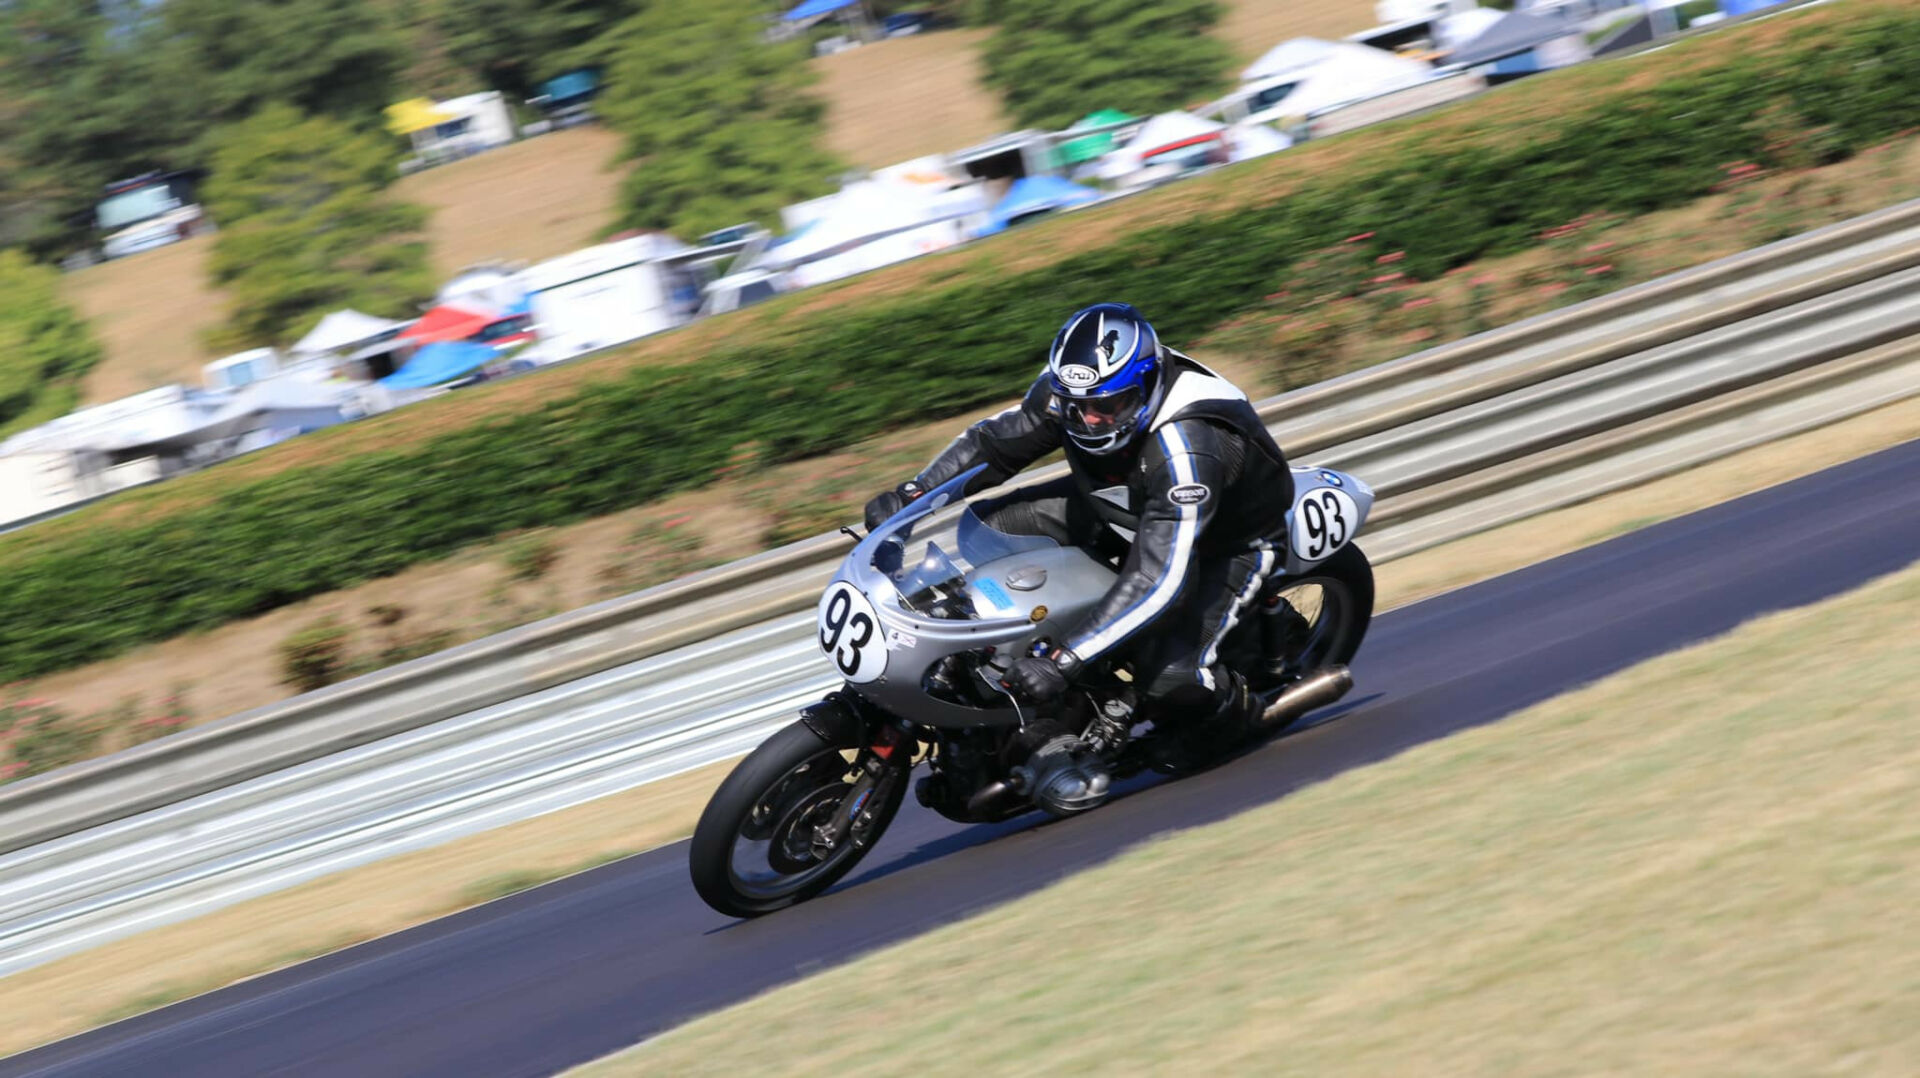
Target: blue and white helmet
x=1106, y=364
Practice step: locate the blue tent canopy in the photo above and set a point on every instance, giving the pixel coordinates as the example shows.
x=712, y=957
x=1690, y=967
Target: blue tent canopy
x=441, y=361
x=813, y=9
x=573, y=84
x=1035, y=194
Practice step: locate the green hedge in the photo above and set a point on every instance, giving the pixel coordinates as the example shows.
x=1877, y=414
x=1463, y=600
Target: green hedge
x=1853, y=74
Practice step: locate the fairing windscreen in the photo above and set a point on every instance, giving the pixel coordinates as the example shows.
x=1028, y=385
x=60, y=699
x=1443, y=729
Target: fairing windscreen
x=931, y=574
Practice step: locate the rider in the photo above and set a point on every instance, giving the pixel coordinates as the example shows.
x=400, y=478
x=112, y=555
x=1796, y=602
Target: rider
x=1162, y=451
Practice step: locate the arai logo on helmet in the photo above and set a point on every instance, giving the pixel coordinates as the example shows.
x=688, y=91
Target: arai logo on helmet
x=1077, y=376
x=1189, y=494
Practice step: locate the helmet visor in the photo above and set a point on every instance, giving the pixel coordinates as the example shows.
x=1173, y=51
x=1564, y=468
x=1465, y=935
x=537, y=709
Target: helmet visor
x=1111, y=415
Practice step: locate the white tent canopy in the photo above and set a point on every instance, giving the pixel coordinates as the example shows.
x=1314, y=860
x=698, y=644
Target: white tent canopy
x=1246, y=140
x=866, y=211
x=1288, y=56
x=342, y=330
x=1455, y=30
x=1166, y=130
x=1349, y=73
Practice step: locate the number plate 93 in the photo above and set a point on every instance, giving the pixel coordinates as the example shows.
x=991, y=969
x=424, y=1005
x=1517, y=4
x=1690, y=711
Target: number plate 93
x=1323, y=521
x=850, y=633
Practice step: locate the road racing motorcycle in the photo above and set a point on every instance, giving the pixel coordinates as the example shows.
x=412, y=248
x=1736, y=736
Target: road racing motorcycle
x=923, y=618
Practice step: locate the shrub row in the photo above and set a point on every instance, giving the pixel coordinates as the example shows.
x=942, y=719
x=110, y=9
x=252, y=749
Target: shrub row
x=1846, y=78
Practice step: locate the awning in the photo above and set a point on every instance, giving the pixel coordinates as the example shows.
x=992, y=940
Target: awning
x=440, y=362
x=416, y=114
x=341, y=330
x=445, y=323
x=1036, y=194
x=1088, y=147
x=1513, y=34
x=1297, y=54
x=813, y=9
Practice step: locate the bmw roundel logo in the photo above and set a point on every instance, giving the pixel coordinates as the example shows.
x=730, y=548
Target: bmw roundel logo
x=1078, y=376
x=1331, y=477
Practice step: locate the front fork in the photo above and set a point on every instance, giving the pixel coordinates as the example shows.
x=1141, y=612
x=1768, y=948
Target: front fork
x=884, y=763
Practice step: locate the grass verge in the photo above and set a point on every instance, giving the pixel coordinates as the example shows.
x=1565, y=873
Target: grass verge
x=1707, y=864
x=167, y=964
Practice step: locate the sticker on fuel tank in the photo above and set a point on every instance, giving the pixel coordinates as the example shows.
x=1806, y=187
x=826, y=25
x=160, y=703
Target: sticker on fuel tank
x=995, y=595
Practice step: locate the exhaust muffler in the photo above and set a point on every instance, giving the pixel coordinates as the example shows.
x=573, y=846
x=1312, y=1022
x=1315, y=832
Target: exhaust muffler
x=1313, y=691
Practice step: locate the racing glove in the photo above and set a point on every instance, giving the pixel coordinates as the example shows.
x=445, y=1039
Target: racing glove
x=1041, y=679
x=884, y=505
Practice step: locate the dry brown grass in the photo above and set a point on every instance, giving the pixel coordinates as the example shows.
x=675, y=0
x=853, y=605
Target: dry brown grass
x=1252, y=27
x=904, y=97
x=525, y=202
x=157, y=967
x=149, y=311
x=1702, y=865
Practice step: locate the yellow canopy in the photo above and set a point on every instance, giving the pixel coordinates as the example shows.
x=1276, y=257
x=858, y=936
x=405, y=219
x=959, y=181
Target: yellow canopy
x=415, y=114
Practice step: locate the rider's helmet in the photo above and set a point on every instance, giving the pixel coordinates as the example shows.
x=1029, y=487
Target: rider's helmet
x=1108, y=375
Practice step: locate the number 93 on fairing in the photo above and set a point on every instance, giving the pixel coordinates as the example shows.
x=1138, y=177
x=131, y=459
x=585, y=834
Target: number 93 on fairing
x=850, y=633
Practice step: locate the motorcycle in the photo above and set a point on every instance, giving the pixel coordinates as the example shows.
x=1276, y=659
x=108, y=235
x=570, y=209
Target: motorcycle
x=922, y=643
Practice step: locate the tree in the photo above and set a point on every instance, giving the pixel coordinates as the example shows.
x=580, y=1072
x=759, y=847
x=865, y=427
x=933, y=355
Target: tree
x=1057, y=61
x=335, y=57
x=305, y=227
x=514, y=45
x=716, y=117
x=86, y=97
x=45, y=347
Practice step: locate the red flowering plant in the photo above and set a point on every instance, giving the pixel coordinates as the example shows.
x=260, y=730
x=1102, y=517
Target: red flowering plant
x=173, y=716
x=38, y=737
x=1580, y=263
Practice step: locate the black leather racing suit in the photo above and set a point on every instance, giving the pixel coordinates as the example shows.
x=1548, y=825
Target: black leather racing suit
x=1203, y=490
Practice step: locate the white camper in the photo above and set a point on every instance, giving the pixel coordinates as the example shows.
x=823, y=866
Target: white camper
x=608, y=294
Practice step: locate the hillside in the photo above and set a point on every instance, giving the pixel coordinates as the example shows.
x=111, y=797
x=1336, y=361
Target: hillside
x=528, y=201
x=886, y=102
x=524, y=202
x=149, y=312
x=899, y=99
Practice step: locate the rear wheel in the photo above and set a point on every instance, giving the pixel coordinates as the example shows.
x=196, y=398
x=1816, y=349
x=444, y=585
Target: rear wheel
x=1332, y=606
x=757, y=847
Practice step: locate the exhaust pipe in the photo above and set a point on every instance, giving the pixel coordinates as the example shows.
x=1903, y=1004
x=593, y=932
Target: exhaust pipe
x=1314, y=691
x=997, y=801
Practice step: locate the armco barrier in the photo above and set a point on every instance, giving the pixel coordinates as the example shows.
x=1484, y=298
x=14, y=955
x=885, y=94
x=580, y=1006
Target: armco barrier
x=1456, y=439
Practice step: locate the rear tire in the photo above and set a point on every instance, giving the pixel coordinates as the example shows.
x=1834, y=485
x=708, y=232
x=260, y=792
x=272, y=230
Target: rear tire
x=774, y=796
x=1343, y=588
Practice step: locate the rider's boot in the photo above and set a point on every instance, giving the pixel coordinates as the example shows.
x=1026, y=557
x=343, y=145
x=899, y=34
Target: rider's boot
x=1201, y=740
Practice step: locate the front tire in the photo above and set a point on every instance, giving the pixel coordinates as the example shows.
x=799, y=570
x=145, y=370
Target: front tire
x=751, y=853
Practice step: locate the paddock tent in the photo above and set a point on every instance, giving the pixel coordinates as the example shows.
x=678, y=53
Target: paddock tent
x=439, y=362
x=1350, y=73
x=1288, y=57
x=343, y=330
x=1165, y=133
x=1517, y=33
x=1032, y=195
x=813, y=9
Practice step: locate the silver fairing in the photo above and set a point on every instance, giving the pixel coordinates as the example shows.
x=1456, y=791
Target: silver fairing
x=1073, y=582
x=1028, y=595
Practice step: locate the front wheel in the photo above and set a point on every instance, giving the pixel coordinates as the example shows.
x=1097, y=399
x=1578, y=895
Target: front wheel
x=757, y=847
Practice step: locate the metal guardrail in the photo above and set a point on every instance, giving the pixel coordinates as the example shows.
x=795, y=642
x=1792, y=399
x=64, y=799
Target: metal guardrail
x=1456, y=439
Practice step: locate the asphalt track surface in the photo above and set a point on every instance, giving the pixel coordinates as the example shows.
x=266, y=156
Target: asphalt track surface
x=567, y=972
